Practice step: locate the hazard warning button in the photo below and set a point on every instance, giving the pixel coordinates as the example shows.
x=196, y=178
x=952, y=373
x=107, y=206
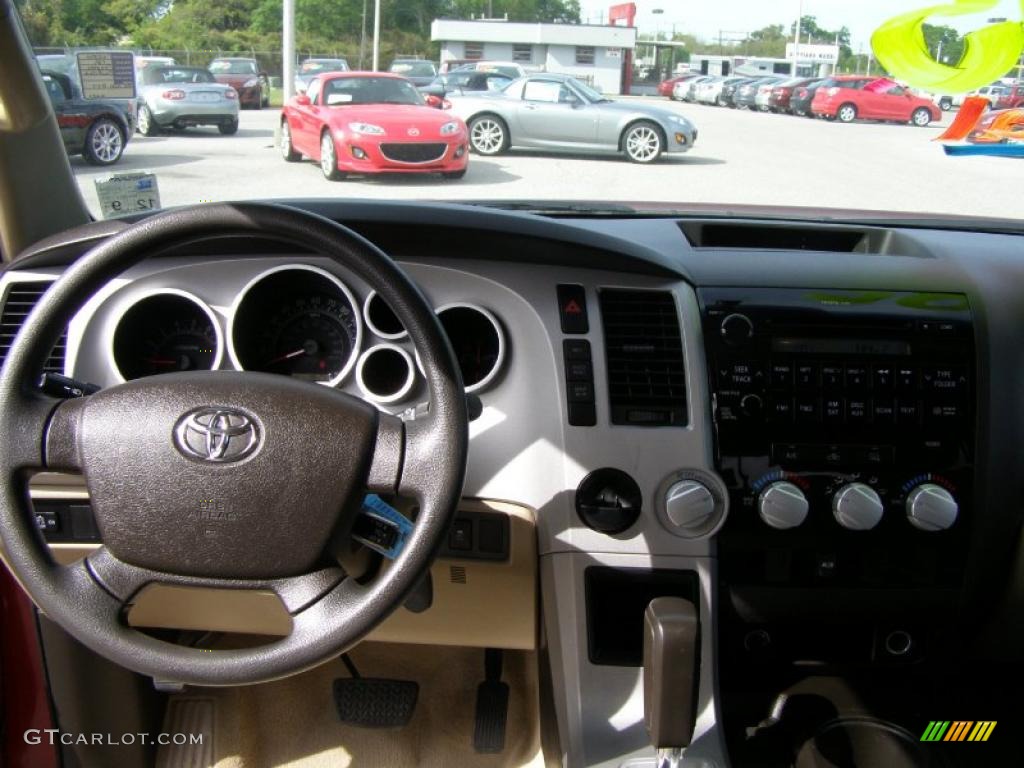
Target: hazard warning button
x=572, y=309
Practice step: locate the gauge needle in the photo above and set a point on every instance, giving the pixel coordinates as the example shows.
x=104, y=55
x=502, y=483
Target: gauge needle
x=161, y=361
x=289, y=356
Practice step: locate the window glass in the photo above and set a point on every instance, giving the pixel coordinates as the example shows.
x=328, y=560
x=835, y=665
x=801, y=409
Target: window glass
x=584, y=54
x=522, y=53
x=474, y=51
x=542, y=90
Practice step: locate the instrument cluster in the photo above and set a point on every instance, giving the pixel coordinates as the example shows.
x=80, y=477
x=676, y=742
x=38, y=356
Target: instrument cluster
x=302, y=321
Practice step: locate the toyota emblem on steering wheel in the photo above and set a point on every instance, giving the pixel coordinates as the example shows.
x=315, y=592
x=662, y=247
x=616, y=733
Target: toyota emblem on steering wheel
x=216, y=434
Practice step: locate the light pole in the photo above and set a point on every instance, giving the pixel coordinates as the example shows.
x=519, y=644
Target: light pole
x=796, y=39
x=288, y=49
x=376, y=35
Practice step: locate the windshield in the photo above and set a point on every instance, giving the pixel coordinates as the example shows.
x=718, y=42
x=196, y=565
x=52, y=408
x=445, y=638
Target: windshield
x=875, y=108
x=222, y=67
x=414, y=68
x=350, y=91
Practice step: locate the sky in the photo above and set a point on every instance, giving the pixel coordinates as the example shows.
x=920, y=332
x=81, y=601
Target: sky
x=705, y=18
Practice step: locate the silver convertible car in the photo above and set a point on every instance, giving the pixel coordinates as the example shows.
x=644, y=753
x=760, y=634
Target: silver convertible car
x=182, y=97
x=559, y=112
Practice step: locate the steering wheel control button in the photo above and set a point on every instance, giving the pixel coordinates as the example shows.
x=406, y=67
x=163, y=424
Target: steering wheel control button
x=217, y=434
x=572, y=309
x=579, y=383
x=931, y=507
x=608, y=500
x=381, y=527
x=782, y=505
x=689, y=505
x=857, y=507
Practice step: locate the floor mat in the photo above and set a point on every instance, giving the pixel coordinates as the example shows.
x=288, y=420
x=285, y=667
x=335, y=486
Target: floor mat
x=294, y=723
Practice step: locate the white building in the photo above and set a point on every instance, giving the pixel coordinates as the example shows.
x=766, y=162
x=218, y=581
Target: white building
x=594, y=54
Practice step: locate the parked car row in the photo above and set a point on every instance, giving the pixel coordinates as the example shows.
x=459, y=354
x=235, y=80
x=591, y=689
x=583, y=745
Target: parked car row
x=842, y=97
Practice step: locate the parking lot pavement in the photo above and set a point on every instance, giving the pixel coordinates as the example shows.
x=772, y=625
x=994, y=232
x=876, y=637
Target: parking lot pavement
x=740, y=158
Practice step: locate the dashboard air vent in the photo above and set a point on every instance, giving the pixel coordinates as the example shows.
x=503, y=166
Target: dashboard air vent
x=21, y=297
x=644, y=356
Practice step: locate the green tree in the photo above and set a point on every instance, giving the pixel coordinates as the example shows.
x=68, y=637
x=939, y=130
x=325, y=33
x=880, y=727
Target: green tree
x=944, y=41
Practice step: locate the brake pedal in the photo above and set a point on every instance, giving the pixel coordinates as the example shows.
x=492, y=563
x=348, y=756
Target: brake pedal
x=491, y=706
x=374, y=702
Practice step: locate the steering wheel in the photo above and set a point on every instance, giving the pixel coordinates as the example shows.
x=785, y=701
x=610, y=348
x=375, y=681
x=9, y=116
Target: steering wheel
x=285, y=464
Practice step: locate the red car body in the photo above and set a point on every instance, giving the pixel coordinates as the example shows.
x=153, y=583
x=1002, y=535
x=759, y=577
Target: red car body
x=880, y=99
x=373, y=137
x=665, y=86
x=1012, y=99
x=245, y=77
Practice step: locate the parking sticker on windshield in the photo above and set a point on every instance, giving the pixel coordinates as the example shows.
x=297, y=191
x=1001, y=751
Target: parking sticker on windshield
x=122, y=193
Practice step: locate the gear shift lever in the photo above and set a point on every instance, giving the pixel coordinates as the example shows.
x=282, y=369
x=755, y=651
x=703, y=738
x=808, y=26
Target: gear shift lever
x=670, y=675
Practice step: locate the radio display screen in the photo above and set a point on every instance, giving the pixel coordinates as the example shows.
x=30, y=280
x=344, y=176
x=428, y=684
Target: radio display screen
x=819, y=346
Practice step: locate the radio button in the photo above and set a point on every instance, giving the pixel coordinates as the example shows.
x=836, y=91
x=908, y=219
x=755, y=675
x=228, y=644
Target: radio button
x=832, y=410
x=743, y=375
x=780, y=410
x=884, y=411
x=787, y=453
x=856, y=377
x=782, y=375
x=906, y=378
x=832, y=377
x=807, y=410
x=883, y=377
x=752, y=406
x=807, y=376
x=908, y=413
x=946, y=379
x=857, y=411
x=942, y=413
x=835, y=455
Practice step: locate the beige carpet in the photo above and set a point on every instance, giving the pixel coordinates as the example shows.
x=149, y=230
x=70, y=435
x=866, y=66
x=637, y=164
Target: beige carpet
x=293, y=722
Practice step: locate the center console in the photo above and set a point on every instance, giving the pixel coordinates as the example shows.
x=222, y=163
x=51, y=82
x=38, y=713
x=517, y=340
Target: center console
x=844, y=431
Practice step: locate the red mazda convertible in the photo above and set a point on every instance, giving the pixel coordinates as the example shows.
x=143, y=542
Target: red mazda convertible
x=370, y=122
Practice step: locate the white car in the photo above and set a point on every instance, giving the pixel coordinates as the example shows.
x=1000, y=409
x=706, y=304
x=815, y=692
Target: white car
x=764, y=94
x=710, y=91
x=686, y=90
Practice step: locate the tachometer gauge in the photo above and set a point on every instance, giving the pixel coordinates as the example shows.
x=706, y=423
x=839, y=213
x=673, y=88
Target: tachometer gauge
x=165, y=333
x=298, y=321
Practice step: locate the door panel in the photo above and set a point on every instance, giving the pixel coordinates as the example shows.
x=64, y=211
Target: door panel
x=551, y=114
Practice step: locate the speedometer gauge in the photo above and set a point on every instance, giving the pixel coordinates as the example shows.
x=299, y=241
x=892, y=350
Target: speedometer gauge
x=298, y=321
x=310, y=337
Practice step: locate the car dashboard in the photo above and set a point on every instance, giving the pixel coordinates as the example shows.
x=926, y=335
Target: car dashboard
x=805, y=429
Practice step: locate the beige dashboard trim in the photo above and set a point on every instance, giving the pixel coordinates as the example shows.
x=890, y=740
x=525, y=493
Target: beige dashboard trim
x=475, y=603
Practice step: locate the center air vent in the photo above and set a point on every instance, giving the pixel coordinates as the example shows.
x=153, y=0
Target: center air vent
x=644, y=356
x=20, y=299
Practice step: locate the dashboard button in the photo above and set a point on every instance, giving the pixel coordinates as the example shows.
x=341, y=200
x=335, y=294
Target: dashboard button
x=780, y=410
x=782, y=375
x=807, y=376
x=834, y=455
x=461, y=535
x=942, y=413
x=907, y=413
x=884, y=411
x=576, y=349
x=736, y=329
x=806, y=410
x=580, y=391
x=882, y=377
x=578, y=370
x=945, y=379
x=906, y=378
x=832, y=377
x=856, y=377
x=832, y=410
x=582, y=415
x=744, y=375
x=572, y=309
x=856, y=411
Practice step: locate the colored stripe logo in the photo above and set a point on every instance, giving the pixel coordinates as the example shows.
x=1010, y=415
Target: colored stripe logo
x=958, y=730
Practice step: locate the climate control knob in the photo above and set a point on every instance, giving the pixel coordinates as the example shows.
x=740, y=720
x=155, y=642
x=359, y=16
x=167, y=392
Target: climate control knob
x=857, y=506
x=689, y=505
x=782, y=505
x=931, y=507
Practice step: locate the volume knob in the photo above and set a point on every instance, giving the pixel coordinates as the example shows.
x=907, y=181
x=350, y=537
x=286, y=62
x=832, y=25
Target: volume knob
x=736, y=329
x=782, y=505
x=931, y=507
x=857, y=506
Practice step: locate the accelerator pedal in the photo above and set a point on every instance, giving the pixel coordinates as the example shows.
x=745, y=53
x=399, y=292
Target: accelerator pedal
x=374, y=702
x=491, y=706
